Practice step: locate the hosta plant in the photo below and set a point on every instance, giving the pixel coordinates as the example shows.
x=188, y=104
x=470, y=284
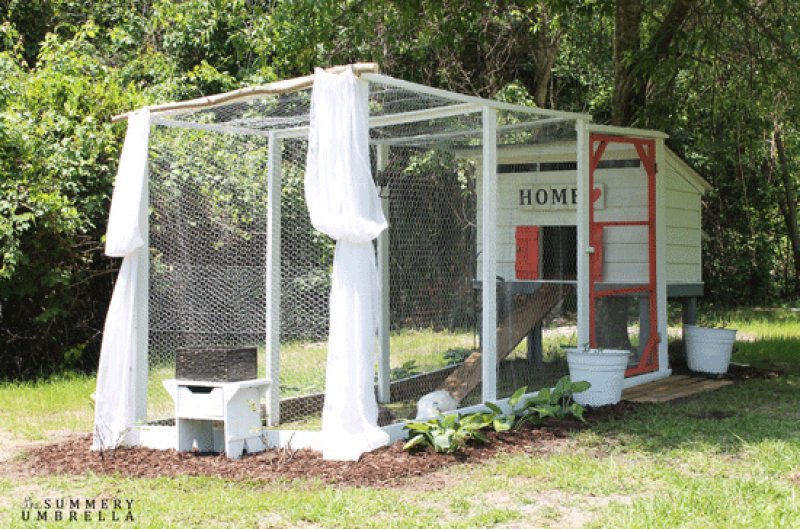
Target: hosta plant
x=557, y=402
x=447, y=434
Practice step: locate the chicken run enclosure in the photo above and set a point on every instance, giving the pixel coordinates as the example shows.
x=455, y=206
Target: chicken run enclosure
x=564, y=219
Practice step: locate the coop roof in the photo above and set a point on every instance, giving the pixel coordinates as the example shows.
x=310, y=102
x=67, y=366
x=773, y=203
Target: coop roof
x=401, y=112
x=685, y=171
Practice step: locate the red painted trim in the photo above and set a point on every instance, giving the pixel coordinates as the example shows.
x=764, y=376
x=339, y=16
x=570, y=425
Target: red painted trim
x=621, y=139
x=595, y=155
x=623, y=223
x=621, y=291
x=596, y=233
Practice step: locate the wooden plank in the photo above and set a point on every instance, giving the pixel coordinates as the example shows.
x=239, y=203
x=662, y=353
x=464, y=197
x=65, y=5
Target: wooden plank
x=696, y=385
x=684, y=273
x=625, y=272
x=638, y=252
x=650, y=387
x=681, y=386
x=687, y=219
x=683, y=236
x=659, y=386
x=700, y=387
x=684, y=255
x=653, y=387
x=527, y=311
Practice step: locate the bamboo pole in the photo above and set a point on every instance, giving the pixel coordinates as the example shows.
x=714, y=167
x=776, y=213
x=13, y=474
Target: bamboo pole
x=276, y=88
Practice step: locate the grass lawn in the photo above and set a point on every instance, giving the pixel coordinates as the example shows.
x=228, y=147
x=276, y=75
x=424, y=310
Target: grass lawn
x=729, y=458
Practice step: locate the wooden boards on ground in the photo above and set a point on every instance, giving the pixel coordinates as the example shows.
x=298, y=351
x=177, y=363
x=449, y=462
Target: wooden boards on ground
x=671, y=388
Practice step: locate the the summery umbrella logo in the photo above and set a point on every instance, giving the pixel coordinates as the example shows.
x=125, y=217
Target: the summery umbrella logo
x=77, y=510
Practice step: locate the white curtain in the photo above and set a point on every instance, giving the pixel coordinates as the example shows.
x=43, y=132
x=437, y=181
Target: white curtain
x=116, y=395
x=344, y=204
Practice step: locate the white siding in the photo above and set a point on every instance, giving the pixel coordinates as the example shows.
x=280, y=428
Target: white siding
x=626, y=252
x=684, y=262
x=626, y=249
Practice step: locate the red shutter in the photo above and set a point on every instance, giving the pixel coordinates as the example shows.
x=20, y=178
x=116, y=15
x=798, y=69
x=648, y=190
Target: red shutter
x=527, y=263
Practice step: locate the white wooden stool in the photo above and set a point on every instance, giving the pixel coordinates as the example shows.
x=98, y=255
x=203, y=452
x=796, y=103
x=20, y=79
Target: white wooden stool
x=198, y=404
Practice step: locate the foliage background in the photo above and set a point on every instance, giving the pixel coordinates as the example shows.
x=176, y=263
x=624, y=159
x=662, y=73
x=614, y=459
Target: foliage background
x=723, y=85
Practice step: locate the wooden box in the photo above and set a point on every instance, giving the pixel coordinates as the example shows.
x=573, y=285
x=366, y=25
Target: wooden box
x=216, y=364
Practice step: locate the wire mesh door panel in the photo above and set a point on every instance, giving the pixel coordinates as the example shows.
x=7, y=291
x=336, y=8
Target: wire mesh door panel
x=431, y=200
x=536, y=252
x=306, y=262
x=207, y=239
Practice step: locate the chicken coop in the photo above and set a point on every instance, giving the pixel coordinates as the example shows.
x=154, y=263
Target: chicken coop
x=513, y=232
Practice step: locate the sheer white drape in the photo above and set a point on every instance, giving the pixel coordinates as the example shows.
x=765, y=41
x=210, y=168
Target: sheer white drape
x=116, y=392
x=344, y=204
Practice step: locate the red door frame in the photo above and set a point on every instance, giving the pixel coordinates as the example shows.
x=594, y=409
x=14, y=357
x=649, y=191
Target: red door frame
x=646, y=150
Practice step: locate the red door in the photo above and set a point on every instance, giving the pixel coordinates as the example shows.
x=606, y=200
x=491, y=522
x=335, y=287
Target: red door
x=610, y=227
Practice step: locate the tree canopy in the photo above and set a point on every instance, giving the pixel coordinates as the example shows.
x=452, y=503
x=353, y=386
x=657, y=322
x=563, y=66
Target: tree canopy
x=718, y=75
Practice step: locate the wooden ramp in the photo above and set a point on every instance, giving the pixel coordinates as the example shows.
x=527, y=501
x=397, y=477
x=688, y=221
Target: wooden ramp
x=526, y=312
x=671, y=388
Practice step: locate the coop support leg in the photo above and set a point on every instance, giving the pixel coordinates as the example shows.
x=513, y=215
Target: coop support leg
x=489, y=261
x=273, y=279
x=535, y=348
x=644, y=324
x=688, y=315
x=689, y=310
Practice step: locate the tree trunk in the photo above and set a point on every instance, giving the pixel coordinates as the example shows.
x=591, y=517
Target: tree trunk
x=538, y=52
x=544, y=54
x=627, y=46
x=634, y=64
x=788, y=203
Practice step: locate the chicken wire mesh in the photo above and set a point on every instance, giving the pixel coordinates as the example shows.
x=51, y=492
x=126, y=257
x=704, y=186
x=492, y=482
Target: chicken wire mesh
x=207, y=238
x=209, y=225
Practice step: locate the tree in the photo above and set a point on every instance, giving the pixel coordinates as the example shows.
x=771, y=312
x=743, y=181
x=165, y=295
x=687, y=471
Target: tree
x=634, y=63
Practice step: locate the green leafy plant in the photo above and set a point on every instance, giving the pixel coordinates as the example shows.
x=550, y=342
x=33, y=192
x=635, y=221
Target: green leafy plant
x=557, y=402
x=501, y=421
x=407, y=369
x=447, y=434
x=586, y=349
x=456, y=355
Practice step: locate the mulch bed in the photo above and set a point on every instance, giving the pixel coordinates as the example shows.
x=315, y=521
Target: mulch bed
x=384, y=467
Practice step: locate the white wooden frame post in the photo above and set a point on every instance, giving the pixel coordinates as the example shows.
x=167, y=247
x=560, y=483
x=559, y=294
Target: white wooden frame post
x=142, y=323
x=273, y=280
x=384, y=322
x=582, y=222
x=489, y=260
x=661, y=257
